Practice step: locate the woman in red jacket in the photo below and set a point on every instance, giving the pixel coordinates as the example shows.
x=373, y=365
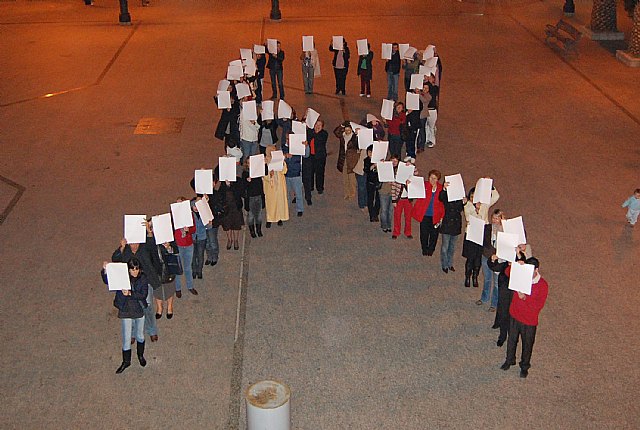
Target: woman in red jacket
x=429, y=212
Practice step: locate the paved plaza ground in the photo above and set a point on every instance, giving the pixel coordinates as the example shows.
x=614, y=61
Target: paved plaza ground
x=367, y=332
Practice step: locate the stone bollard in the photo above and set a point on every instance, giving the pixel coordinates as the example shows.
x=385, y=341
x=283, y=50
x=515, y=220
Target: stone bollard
x=268, y=406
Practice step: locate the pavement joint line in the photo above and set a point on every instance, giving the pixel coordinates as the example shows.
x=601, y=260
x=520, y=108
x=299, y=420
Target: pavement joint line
x=96, y=83
x=235, y=386
x=14, y=201
x=617, y=104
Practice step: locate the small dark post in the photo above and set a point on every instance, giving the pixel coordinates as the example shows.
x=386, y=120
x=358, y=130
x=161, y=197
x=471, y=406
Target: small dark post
x=275, y=10
x=569, y=8
x=125, y=18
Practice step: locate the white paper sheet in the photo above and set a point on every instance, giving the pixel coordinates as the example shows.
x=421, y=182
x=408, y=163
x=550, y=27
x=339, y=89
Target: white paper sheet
x=404, y=172
x=267, y=109
x=205, y=211
x=506, y=244
x=277, y=161
x=299, y=127
x=408, y=54
x=245, y=53
x=272, y=46
x=296, y=147
x=337, y=42
x=256, y=166
x=482, y=193
x=387, y=109
x=307, y=43
x=284, y=110
x=379, y=151
x=162, y=228
x=515, y=226
x=355, y=126
x=430, y=71
x=521, y=277
x=242, y=90
x=455, y=189
x=135, y=230
x=363, y=48
x=181, y=213
x=386, y=51
x=118, y=276
x=312, y=117
x=417, y=81
x=429, y=52
x=223, y=85
x=416, y=190
x=412, y=101
x=259, y=49
x=227, y=168
x=224, y=100
x=249, y=110
x=402, y=48
x=204, y=181
x=250, y=68
x=475, y=230
x=385, y=171
x=234, y=73
x=235, y=63
x=431, y=62
x=365, y=137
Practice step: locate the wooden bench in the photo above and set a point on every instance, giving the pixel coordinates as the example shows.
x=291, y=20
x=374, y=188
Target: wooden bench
x=565, y=34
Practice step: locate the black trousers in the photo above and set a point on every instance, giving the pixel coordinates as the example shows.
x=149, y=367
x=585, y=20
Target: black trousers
x=528, y=334
x=503, y=320
x=373, y=200
x=341, y=79
x=313, y=174
x=428, y=235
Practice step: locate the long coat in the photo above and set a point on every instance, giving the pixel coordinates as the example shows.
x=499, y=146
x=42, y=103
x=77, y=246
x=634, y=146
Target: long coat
x=275, y=195
x=351, y=155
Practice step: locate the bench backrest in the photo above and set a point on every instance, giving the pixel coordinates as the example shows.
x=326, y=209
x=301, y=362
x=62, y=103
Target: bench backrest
x=569, y=29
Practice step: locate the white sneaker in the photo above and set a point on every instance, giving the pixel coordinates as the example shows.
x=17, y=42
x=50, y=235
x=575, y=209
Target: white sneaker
x=361, y=95
x=368, y=95
x=430, y=144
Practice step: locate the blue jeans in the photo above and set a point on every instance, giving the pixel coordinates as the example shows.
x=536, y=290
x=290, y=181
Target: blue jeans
x=276, y=75
x=447, y=248
x=361, y=180
x=392, y=86
x=132, y=327
x=295, y=183
x=386, y=211
x=186, y=257
x=212, y=244
x=248, y=149
x=198, y=256
x=487, y=290
x=150, y=326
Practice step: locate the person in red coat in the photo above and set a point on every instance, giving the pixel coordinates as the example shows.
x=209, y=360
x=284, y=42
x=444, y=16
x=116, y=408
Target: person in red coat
x=524, y=311
x=429, y=213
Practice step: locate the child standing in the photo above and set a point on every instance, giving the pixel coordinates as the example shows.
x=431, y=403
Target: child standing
x=633, y=203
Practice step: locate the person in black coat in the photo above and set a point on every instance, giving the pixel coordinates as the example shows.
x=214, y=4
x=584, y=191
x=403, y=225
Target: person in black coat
x=228, y=128
x=314, y=165
x=450, y=228
x=340, y=65
x=267, y=133
x=253, y=201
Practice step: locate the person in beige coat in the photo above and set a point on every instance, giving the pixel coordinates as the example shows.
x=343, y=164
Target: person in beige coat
x=275, y=192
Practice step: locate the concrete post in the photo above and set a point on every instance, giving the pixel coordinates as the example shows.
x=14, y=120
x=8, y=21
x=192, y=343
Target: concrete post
x=268, y=406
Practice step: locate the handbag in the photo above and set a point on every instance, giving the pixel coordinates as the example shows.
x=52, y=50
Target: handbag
x=173, y=263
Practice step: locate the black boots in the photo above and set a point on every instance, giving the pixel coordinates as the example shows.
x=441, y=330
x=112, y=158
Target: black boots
x=126, y=361
x=252, y=231
x=259, y=230
x=476, y=272
x=140, y=351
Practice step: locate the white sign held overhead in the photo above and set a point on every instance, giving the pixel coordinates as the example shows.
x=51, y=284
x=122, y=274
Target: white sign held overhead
x=205, y=211
x=235, y=73
x=299, y=127
x=409, y=53
x=250, y=68
x=256, y=166
x=387, y=109
x=311, y=117
x=521, y=277
x=386, y=51
x=259, y=49
x=284, y=110
x=118, y=276
x=482, y=193
x=267, y=110
x=429, y=52
x=181, y=213
x=223, y=85
x=242, y=90
x=224, y=100
x=227, y=168
x=379, y=151
x=363, y=47
x=365, y=137
x=135, y=230
x=296, y=147
x=337, y=43
x=272, y=46
x=204, y=181
x=162, y=228
x=245, y=53
x=307, y=43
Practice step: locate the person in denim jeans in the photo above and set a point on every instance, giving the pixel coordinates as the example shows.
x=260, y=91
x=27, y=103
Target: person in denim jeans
x=294, y=175
x=199, y=242
x=450, y=229
x=490, y=286
x=184, y=240
x=361, y=180
x=386, y=206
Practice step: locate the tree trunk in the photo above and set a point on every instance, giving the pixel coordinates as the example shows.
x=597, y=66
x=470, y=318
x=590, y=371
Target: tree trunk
x=603, y=16
x=634, y=41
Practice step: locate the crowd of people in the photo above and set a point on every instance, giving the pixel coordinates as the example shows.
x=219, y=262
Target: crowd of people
x=157, y=269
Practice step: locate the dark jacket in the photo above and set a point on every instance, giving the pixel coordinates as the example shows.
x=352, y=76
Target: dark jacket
x=149, y=260
x=253, y=188
x=230, y=118
x=393, y=65
x=352, y=148
x=275, y=61
x=260, y=65
x=271, y=127
x=133, y=305
x=238, y=188
x=370, y=172
x=319, y=143
x=452, y=221
x=347, y=54
x=367, y=73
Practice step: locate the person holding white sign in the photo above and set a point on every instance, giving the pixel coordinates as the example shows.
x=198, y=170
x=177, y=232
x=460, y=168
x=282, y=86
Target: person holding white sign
x=275, y=193
x=524, y=311
x=253, y=200
x=184, y=240
x=199, y=241
x=386, y=204
x=434, y=92
x=470, y=250
x=392, y=68
x=429, y=213
x=274, y=64
x=411, y=67
x=313, y=166
x=130, y=304
x=267, y=134
x=347, y=157
x=248, y=137
x=227, y=129
x=340, y=65
x=233, y=219
x=365, y=71
x=490, y=285
x=395, y=126
x=402, y=204
x=294, y=174
x=450, y=229
x=310, y=69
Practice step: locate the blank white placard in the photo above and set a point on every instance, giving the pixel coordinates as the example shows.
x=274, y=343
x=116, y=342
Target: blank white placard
x=296, y=147
x=387, y=109
x=162, y=228
x=249, y=110
x=515, y=226
x=506, y=244
x=272, y=46
x=482, y=193
x=284, y=110
x=455, y=189
x=386, y=51
x=227, y=168
x=429, y=52
x=385, y=171
x=224, y=100
x=259, y=49
x=521, y=277
x=181, y=213
x=298, y=127
x=307, y=43
x=277, y=161
x=431, y=62
x=118, y=276
x=402, y=48
x=404, y=172
x=205, y=211
x=135, y=230
x=223, y=85
x=417, y=81
x=363, y=46
x=365, y=137
x=204, y=181
x=242, y=90
x=267, y=109
x=337, y=42
x=249, y=66
x=379, y=151
x=256, y=166
x=415, y=189
x=311, y=118
x=245, y=53
x=234, y=73
x=408, y=54
x=412, y=101
x=475, y=230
